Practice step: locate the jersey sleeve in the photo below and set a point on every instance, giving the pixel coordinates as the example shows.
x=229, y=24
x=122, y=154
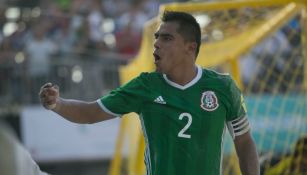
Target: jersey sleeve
x=237, y=121
x=124, y=99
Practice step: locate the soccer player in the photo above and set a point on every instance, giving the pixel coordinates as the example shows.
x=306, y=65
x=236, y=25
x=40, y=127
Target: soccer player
x=183, y=108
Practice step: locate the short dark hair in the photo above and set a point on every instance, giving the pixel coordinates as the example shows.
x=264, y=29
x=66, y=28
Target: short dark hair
x=189, y=28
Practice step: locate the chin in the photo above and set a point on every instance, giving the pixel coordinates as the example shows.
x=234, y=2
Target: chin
x=160, y=71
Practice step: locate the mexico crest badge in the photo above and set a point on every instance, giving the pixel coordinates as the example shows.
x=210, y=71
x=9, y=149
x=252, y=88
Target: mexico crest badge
x=209, y=101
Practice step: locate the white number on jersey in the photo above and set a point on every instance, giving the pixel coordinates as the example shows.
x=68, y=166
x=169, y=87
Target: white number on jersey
x=181, y=133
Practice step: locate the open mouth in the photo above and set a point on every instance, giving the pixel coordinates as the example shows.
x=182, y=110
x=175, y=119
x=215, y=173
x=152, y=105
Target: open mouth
x=157, y=57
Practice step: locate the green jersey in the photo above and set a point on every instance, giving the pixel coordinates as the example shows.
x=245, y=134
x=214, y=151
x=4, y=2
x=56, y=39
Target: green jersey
x=183, y=125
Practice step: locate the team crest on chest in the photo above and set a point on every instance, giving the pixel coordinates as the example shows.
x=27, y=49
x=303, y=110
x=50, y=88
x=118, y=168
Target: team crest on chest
x=209, y=101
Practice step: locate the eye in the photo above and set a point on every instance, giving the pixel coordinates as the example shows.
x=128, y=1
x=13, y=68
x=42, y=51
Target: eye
x=156, y=36
x=166, y=38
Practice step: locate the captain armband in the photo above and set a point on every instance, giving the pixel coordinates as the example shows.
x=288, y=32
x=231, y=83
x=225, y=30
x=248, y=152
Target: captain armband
x=238, y=126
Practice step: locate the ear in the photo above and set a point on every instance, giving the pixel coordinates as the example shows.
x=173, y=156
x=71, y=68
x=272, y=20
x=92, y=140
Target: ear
x=192, y=47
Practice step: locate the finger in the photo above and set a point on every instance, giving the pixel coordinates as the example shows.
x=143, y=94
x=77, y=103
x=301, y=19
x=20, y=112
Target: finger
x=52, y=91
x=45, y=99
x=48, y=101
x=43, y=92
x=50, y=107
x=49, y=88
x=47, y=85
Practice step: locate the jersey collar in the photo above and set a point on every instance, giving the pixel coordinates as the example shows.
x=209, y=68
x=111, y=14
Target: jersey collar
x=191, y=83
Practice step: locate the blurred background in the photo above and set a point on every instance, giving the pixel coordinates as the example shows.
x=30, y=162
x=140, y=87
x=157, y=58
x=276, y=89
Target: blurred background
x=89, y=47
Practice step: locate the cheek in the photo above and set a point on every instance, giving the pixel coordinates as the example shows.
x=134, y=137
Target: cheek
x=172, y=54
x=172, y=51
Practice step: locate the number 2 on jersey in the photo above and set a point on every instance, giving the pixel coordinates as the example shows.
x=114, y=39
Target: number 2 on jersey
x=186, y=127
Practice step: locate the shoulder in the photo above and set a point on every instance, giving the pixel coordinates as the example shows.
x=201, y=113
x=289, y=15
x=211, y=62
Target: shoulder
x=213, y=73
x=219, y=78
x=149, y=76
x=145, y=79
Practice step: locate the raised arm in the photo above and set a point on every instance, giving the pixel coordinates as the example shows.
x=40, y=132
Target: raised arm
x=247, y=154
x=73, y=110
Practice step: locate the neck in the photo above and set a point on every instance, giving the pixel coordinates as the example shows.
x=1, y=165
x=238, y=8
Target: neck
x=183, y=75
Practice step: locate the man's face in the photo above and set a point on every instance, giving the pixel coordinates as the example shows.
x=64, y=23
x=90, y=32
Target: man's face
x=170, y=49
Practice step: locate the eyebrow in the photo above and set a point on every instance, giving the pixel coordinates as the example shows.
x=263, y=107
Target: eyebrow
x=157, y=34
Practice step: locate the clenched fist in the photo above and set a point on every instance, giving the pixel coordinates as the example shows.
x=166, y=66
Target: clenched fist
x=49, y=94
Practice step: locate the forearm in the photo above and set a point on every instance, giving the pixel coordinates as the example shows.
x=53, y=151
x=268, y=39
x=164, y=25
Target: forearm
x=75, y=110
x=248, y=159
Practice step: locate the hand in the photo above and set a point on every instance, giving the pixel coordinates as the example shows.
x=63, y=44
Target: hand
x=49, y=95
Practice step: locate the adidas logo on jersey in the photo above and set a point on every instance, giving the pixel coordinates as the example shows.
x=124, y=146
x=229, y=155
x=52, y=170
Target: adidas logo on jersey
x=159, y=100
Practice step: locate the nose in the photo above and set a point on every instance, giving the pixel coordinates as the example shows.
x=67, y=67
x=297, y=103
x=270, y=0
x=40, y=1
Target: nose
x=156, y=44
